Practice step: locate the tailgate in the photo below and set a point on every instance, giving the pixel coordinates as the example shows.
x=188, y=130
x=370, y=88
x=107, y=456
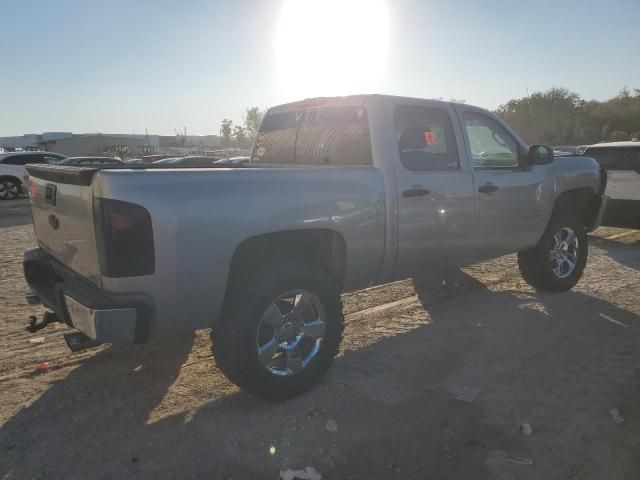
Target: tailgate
x=62, y=211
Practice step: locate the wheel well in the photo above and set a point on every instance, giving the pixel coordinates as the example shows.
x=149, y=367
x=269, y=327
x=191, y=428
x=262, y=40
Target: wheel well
x=16, y=180
x=323, y=248
x=583, y=202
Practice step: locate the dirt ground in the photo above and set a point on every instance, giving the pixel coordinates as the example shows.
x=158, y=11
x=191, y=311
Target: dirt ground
x=560, y=363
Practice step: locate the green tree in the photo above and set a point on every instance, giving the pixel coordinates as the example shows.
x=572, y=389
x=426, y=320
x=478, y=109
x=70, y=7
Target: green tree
x=225, y=131
x=558, y=116
x=619, y=136
x=252, y=119
x=240, y=135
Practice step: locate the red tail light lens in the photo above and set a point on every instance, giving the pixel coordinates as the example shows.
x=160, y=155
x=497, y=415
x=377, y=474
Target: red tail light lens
x=124, y=236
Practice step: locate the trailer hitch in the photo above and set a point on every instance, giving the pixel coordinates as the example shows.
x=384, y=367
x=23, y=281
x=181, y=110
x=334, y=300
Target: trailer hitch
x=47, y=318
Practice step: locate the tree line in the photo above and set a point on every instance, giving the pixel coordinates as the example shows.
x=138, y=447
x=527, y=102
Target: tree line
x=559, y=116
x=241, y=135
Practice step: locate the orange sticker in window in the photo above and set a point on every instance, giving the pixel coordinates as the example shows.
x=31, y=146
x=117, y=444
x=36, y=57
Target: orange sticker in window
x=430, y=138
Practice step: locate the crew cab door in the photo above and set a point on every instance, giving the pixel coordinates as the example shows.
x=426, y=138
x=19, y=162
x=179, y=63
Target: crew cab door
x=509, y=195
x=435, y=190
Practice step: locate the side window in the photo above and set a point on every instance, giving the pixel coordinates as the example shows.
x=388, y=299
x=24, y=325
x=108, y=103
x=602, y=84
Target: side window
x=19, y=160
x=491, y=145
x=426, y=139
x=50, y=159
x=616, y=159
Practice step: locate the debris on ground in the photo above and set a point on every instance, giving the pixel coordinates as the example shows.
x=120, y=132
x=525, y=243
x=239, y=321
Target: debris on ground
x=615, y=416
x=42, y=367
x=519, y=460
x=331, y=426
x=466, y=394
x=308, y=473
x=37, y=340
x=526, y=429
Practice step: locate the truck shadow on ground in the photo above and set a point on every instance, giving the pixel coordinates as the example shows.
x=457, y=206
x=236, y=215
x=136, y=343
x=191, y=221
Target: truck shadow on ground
x=627, y=254
x=530, y=356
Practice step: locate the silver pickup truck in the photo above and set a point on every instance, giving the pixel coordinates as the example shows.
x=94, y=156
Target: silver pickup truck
x=340, y=194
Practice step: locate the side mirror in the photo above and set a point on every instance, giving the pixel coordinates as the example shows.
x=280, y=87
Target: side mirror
x=539, y=155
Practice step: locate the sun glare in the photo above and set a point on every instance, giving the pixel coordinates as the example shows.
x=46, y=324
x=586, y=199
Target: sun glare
x=331, y=47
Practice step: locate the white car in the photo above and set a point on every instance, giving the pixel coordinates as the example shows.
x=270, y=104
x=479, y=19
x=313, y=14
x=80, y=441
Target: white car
x=12, y=170
x=622, y=161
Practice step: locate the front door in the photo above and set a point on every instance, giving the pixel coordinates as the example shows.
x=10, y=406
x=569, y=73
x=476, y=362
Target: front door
x=435, y=191
x=510, y=196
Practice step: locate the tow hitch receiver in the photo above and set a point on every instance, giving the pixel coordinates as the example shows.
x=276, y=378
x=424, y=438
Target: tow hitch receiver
x=77, y=341
x=47, y=318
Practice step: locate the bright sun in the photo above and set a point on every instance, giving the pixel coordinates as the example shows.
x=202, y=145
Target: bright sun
x=331, y=47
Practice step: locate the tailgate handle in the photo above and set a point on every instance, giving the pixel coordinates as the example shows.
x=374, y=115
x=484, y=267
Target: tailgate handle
x=50, y=193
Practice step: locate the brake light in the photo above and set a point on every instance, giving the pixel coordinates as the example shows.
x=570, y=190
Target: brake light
x=33, y=189
x=124, y=237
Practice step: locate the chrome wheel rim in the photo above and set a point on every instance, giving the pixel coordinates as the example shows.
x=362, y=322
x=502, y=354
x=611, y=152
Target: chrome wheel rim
x=564, y=252
x=8, y=190
x=290, y=332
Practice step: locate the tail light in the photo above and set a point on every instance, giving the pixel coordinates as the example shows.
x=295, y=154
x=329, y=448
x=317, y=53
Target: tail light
x=124, y=238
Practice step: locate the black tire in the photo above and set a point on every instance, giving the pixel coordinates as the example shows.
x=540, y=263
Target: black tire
x=10, y=188
x=536, y=266
x=234, y=338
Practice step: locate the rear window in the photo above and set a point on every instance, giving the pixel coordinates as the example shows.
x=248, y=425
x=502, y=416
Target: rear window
x=616, y=158
x=321, y=136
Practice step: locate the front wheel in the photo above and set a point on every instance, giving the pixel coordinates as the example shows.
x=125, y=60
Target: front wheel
x=281, y=330
x=557, y=262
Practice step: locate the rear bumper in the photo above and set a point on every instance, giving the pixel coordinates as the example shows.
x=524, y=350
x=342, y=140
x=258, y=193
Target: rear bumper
x=102, y=316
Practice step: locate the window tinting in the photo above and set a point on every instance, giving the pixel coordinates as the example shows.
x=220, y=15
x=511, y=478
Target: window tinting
x=616, y=158
x=426, y=139
x=491, y=145
x=325, y=136
x=20, y=160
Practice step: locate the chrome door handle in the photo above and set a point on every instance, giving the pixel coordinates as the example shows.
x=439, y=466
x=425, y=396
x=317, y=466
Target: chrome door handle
x=488, y=188
x=416, y=191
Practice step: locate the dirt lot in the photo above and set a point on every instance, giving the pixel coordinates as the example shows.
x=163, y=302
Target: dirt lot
x=560, y=363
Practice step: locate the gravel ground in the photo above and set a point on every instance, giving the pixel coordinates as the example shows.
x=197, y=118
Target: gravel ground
x=435, y=379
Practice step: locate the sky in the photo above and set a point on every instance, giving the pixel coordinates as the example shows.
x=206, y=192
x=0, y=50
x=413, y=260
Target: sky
x=126, y=66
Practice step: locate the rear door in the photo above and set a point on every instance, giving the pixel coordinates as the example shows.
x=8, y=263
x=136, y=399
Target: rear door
x=62, y=210
x=435, y=190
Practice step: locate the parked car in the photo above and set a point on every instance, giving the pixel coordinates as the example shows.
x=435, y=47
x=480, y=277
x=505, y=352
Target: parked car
x=12, y=170
x=341, y=193
x=188, y=161
x=91, y=161
x=233, y=161
x=622, y=161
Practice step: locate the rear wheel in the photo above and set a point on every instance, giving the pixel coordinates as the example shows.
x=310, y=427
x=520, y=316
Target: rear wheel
x=9, y=189
x=557, y=262
x=282, y=329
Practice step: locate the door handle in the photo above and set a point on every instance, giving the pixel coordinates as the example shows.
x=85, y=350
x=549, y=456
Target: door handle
x=416, y=191
x=488, y=188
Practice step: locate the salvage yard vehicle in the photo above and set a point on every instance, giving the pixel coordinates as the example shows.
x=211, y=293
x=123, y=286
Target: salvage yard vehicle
x=622, y=161
x=90, y=161
x=341, y=193
x=12, y=170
